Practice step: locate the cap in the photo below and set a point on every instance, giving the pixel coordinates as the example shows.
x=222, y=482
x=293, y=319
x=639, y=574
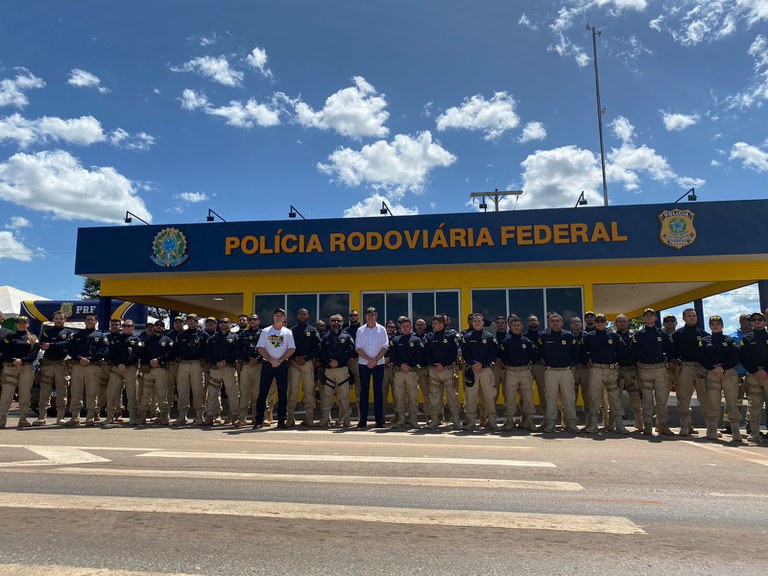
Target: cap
x=669, y=318
x=757, y=315
x=370, y=310
x=715, y=319
x=179, y=318
x=590, y=313
x=193, y=317
x=649, y=311
x=279, y=311
x=159, y=323
x=22, y=319
x=600, y=315
x=210, y=319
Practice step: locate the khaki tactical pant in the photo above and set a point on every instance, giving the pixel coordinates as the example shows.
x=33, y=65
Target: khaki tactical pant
x=228, y=377
x=117, y=382
x=758, y=394
x=154, y=381
x=484, y=388
x=84, y=379
x=559, y=383
x=386, y=385
x=690, y=378
x=519, y=380
x=538, y=376
x=444, y=386
x=423, y=375
x=103, y=394
x=406, y=387
x=173, y=370
x=250, y=377
x=53, y=375
x=13, y=377
x=336, y=380
x=304, y=377
x=727, y=386
x=653, y=382
x=189, y=382
x=603, y=378
x=629, y=381
x=581, y=375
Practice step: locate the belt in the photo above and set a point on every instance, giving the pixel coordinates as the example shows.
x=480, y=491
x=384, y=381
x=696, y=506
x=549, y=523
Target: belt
x=51, y=361
x=196, y=361
x=659, y=365
x=398, y=369
x=12, y=365
x=526, y=368
x=451, y=365
x=694, y=364
x=556, y=368
x=611, y=366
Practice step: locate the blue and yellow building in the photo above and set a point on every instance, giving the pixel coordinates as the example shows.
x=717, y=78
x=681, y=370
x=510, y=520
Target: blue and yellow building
x=609, y=259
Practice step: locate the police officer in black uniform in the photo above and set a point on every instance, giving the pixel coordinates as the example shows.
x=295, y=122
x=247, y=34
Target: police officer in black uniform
x=478, y=348
x=690, y=374
x=653, y=348
x=601, y=350
x=156, y=350
x=54, y=368
x=560, y=351
x=18, y=352
x=441, y=352
x=518, y=353
x=406, y=353
x=88, y=348
x=250, y=371
x=221, y=352
x=122, y=359
x=189, y=351
x=336, y=349
x=754, y=358
x=301, y=369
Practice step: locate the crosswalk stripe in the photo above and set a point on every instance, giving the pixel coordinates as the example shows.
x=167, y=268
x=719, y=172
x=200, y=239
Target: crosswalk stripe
x=735, y=451
x=325, y=512
x=56, y=455
x=344, y=458
x=59, y=570
x=490, y=483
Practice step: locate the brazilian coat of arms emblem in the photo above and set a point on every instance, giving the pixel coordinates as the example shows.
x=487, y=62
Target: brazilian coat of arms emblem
x=676, y=228
x=169, y=248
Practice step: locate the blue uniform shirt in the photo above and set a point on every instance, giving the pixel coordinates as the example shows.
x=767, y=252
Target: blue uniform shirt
x=686, y=341
x=517, y=350
x=155, y=347
x=603, y=347
x=652, y=346
x=559, y=349
x=339, y=347
x=90, y=344
x=754, y=350
x=441, y=347
x=307, y=341
x=57, y=339
x=479, y=346
x=222, y=348
x=406, y=350
x=718, y=350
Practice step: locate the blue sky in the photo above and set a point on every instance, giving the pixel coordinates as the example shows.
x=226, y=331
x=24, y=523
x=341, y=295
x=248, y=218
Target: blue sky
x=169, y=108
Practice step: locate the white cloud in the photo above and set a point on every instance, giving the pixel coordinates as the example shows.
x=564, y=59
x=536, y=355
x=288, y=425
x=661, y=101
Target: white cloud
x=623, y=129
x=750, y=156
x=192, y=197
x=18, y=222
x=674, y=122
x=12, y=248
x=84, y=79
x=525, y=21
x=12, y=91
x=729, y=305
x=533, y=131
x=714, y=163
x=371, y=206
x=83, y=131
x=563, y=46
x=494, y=117
x=56, y=182
x=139, y=141
x=398, y=166
x=555, y=178
x=757, y=91
x=692, y=22
x=215, y=68
x=355, y=111
x=257, y=59
x=236, y=113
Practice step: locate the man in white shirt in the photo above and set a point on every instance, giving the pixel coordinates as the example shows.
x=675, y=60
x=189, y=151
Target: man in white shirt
x=371, y=343
x=276, y=346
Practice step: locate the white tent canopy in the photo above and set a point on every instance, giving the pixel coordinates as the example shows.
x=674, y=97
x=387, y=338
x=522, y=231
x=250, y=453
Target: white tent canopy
x=11, y=299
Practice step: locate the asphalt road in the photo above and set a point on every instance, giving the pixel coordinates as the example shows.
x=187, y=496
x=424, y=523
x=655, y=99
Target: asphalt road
x=225, y=501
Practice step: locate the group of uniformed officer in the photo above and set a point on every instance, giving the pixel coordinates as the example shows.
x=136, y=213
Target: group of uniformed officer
x=198, y=363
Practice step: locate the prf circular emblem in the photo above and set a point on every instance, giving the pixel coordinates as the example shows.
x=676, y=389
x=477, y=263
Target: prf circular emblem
x=169, y=248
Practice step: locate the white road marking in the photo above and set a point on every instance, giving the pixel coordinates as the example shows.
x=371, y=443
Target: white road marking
x=110, y=448
x=48, y=569
x=321, y=478
x=56, y=456
x=325, y=512
x=344, y=458
x=336, y=440
x=736, y=451
x=744, y=496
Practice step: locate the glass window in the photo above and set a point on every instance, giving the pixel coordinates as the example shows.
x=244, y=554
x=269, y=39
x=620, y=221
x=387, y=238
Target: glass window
x=265, y=304
x=377, y=300
x=447, y=303
x=397, y=305
x=525, y=302
x=296, y=301
x=489, y=303
x=422, y=306
x=330, y=304
x=565, y=301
